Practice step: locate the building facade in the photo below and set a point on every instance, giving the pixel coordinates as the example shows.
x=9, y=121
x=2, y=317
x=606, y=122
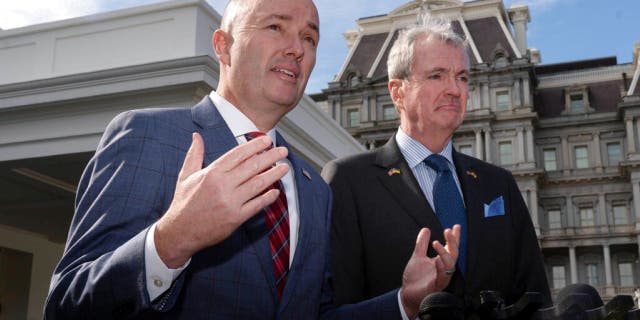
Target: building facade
x=568, y=132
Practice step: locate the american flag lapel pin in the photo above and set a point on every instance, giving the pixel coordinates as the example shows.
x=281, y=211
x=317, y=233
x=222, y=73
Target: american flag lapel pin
x=306, y=174
x=393, y=171
x=472, y=174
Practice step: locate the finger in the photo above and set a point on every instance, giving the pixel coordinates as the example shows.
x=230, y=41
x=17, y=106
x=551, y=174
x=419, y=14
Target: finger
x=255, y=205
x=452, y=242
x=256, y=164
x=240, y=153
x=422, y=242
x=440, y=267
x=456, y=232
x=193, y=158
x=258, y=183
x=447, y=256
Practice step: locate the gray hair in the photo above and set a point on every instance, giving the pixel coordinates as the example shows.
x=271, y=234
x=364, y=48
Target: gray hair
x=401, y=54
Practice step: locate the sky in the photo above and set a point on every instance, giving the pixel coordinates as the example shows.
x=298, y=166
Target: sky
x=563, y=30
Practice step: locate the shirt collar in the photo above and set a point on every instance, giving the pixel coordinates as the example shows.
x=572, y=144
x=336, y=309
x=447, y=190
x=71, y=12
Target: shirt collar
x=236, y=120
x=414, y=152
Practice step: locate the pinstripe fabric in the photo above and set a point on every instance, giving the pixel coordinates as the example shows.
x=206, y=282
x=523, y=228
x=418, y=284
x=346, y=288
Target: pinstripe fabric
x=414, y=153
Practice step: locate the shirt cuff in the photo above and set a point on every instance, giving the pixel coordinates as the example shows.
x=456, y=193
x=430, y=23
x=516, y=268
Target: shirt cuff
x=159, y=276
x=402, y=313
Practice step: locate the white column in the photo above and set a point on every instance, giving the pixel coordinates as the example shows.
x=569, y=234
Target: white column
x=487, y=145
x=530, y=149
x=486, y=102
x=525, y=90
x=571, y=217
x=517, y=102
x=521, y=145
x=533, y=209
x=479, y=146
x=597, y=153
x=636, y=202
x=566, y=165
x=602, y=207
x=573, y=265
x=631, y=141
x=607, y=265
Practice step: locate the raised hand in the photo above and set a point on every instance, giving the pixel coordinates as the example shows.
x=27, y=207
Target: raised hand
x=210, y=203
x=424, y=275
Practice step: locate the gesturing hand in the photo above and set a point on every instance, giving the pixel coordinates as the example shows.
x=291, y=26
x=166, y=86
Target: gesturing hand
x=211, y=202
x=424, y=275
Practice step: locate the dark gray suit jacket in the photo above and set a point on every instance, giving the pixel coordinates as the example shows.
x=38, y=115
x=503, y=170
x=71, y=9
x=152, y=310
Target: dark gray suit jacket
x=377, y=215
x=129, y=184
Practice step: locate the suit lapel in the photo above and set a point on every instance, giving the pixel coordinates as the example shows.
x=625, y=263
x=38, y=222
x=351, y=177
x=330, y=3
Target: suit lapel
x=306, y=205
x=218, y=140
x=404, y=187
x=472, y=188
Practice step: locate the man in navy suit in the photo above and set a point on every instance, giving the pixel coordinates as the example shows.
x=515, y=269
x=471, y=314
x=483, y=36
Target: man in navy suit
x=383, y=197
x=172, y=211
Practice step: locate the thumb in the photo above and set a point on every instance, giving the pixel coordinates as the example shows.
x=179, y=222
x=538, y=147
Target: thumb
x=193, y=159
x=422, y=242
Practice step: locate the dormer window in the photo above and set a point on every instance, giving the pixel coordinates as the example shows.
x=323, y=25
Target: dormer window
x=353, y=80
x=577, y=100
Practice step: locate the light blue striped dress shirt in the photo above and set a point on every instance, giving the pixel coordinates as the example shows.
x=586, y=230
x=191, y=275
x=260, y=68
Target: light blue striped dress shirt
x=414, y=153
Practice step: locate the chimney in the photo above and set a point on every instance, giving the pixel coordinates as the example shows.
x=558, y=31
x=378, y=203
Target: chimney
x=519, y=16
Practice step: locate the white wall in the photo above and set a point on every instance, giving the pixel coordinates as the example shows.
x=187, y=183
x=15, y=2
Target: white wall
x=45, y=257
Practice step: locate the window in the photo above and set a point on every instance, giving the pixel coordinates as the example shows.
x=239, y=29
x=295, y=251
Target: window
x=586, y=217
x=620, y=216
x=626, y=274
x=506, y=152
x=559, y=277
x=353, y=116
x=550, y=159
x=592, y=274
x=502, y=100
x=577, y=102
x=613, y=153
x=389, y=112
x=554, y=219
x=582, y=158
x=466, y=149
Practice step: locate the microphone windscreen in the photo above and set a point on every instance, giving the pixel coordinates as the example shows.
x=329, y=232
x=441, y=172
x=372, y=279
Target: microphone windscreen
x=441, y=305
x=576, y=297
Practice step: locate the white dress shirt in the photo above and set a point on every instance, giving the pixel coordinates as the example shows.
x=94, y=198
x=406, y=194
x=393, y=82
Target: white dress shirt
x=159, y=276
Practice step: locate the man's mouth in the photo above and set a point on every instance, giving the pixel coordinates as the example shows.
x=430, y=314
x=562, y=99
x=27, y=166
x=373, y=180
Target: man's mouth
x=286, y=72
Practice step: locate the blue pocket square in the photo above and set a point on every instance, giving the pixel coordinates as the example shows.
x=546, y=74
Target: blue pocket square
x=495, y=208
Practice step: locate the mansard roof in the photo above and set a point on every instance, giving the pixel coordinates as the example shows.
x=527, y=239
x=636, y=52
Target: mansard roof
x=484, y=23
x=602, y=79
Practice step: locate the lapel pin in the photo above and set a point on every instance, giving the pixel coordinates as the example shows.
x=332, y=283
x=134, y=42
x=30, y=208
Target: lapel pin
x=306, y=174
x=393, y=171
x=472, y=174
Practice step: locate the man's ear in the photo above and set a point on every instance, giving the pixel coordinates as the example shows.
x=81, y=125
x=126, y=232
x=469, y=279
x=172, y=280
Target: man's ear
x=396, y=90
x=222, y=46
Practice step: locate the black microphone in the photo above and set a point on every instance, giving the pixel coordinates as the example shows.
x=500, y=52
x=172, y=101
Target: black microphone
x=617, y=308
x=441, y=305
x=579, y=301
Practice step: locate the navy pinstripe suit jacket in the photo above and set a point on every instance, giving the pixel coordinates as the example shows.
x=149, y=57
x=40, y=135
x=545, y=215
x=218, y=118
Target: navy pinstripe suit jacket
x=129, y=184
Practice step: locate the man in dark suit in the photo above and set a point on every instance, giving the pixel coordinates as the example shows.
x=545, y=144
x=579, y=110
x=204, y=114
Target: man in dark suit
x=181, y=214
x=383, y=197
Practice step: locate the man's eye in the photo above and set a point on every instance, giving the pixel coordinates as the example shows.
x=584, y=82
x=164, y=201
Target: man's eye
x=274, y=27
x=311, y=40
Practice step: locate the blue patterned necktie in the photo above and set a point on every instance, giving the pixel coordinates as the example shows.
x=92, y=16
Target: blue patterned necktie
x=448, y=204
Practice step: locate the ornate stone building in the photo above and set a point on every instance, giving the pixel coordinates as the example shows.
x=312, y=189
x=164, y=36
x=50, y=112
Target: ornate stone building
x=569, y=132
